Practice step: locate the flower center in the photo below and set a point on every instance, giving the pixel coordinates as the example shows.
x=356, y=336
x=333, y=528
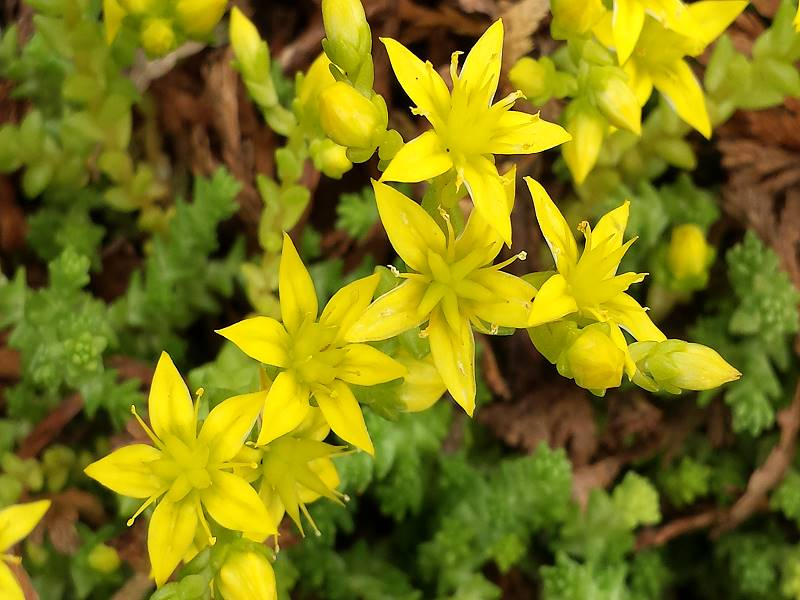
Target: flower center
x=313, y=355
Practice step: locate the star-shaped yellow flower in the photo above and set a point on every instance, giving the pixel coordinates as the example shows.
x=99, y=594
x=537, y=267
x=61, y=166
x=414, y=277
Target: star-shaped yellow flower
x=313, y=354
x=657, y=60
x=588, y=286
x=16, y=521
x=453, y=286
x=187, y=470
x=467, y=128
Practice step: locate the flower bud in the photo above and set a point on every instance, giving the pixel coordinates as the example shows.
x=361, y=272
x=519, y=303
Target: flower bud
x=247, y=575
x=616, y=100
x=157, y=37
x=103, y=559
x=248, y=47
x=676, y=365
x=113, y=14
x=330, y=158
x=532, y=77
x=575, y=17
x=348, y=118
x=136, y=7
x=348, y=39
x=422, y=386
x=198, y=17
x=587, y=127
x=688, y=254
x=593, y=360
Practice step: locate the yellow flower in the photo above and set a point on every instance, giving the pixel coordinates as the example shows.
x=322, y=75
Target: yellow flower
x=588, y=287
x=246, y=575
x=628, y=19
x=453, y=286
x=16, y=521
x=313, y=354
x=467, y=128
x=658, y=57
x=187, y=470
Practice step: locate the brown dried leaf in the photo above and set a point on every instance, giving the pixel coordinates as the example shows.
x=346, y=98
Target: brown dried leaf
x=521, y=20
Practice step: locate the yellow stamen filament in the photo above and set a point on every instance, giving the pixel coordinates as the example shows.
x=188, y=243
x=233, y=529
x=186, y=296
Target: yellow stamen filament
x=143, y=507
x=153, y=437
x=203, y=522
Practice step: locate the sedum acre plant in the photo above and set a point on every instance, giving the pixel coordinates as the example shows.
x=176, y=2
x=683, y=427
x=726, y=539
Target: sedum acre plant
x=328, y=383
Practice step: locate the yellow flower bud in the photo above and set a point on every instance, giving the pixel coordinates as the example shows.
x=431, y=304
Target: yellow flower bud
x=137, y=7
x=348, y=39
x=617, y=101
x=113, y=14
x=575, y=17
x=688, y=253
x=675, y=365
x=157, y=36
x=198, y=17
x=587, y=127
x=530, y=76
x=330, y=158
x=247, y=575
x=593, y=360
x=103, y=558
x=245, y=40
x=348, y=118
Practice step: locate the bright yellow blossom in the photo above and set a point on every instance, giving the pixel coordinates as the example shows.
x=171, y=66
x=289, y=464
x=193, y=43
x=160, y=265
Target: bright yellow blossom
x=628, y=19
x=588, y=286
x=313, y=354
x=16, y=521
x=187, y=470
x=658, y=57
x=453, y=286
x=467, y=128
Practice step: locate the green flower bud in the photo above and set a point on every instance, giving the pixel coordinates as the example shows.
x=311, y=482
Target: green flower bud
x=616, y=100
x=676, y=365
x=157, y=36
x=348, y=39
x=587, y=127
x=246, y=575
x=592, y=359
x=330, y=158
x=198, y=17
x=350, y=119
x=103, y=558
x=575, y=17
x=532, y=77
x=248, y=47
x=688, y=254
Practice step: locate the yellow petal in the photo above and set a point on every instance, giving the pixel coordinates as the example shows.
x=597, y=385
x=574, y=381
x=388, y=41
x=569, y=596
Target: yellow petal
x=349, y=303
x=610, y=229
x=520, y=133
x=9, y=587
x=169, y=536
x=420, y=81
x=18, y=520
x=481, y=70
x=284, y=409
x=344, y=415
x=391, y=314
x=411, y=230
x=296, y=290
x=113, y=14
x=683, y=92
x=454, y=356
x=706, y=21
x=327, y=478
x=512, y=305
x=420, y=159
x=364, y=365
x=552, y=302
x=128, y=471
x=228, y=424
x=588, y=128
x=554, y=227
x=422, y=386
x=630, y=315
x=627, y=25
x=262, y=338
x=639, y=80
x=487, y=190
x=169, y=404
x=235, y=505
